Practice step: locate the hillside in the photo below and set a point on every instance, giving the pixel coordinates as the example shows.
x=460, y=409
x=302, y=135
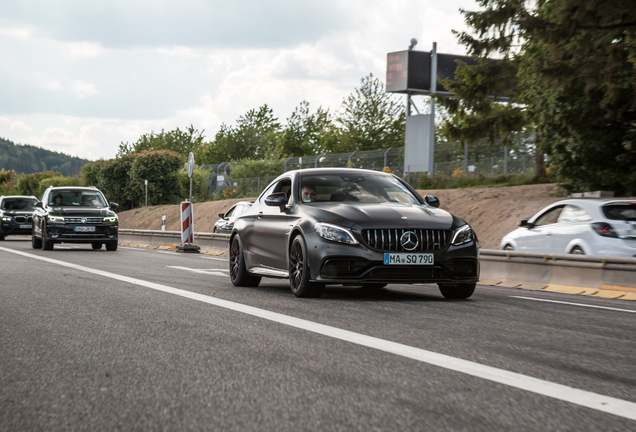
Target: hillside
x=28, y=159
x=492, y=212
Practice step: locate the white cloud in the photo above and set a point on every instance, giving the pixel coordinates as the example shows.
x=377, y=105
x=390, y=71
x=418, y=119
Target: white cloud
x=82, y=89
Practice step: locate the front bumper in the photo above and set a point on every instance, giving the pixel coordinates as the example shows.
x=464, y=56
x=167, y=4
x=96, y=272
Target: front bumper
x=336, y=263
x=14, y=228
x=65, y=233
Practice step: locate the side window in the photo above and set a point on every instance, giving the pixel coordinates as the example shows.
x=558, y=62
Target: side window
x=574, y=214
x=240, y=209
x=284, y=186
x=230, y=212
x=550, y=217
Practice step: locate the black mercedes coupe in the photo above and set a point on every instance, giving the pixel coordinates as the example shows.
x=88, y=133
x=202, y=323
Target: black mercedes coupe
x=326, y=226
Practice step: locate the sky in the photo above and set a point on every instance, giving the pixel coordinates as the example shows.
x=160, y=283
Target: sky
x=80, y=77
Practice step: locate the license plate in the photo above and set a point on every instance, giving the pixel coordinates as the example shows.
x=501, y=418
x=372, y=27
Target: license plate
x=408, y=259
x=84, y=229
x=26, y=226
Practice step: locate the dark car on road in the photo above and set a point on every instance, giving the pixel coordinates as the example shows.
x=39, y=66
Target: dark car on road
x=74, y=215
x=16, y=214
x=351, y=227
x=226, y=222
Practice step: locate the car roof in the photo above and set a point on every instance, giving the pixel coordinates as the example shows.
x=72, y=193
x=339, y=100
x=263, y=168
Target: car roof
x=319, y=171
x=17, y=196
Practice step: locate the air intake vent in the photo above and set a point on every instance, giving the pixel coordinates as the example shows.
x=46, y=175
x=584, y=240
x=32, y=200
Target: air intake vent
x=417, y=240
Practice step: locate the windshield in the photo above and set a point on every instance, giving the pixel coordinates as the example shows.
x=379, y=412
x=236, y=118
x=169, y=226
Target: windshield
x=364, y=188
x=625, y=212
x=76, y=198
x=18, y=204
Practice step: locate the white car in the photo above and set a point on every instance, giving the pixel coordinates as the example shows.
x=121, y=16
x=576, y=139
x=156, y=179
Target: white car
x=578, y=226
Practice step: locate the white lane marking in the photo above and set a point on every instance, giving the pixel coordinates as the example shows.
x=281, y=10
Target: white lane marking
x=575, y=304
x=213, y=272
x=169, y=253
x=132, y=248
x=562, y=392
x=217, y=259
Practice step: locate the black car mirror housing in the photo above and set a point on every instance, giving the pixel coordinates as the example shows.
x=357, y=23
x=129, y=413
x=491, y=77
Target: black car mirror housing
x=222, y=216
x=525, y=224
x=432, y=201
x=113, y=205
x=277, y=199
x=38, y=204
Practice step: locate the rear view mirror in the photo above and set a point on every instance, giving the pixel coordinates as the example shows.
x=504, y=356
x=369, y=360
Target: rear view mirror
x=113, y=205
x=222, y=215
x=432, y=201
x=38, y=204
x=277, y=199
x=525, y=224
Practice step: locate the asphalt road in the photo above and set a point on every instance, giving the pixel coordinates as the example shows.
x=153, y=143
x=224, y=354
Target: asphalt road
x=141, y=339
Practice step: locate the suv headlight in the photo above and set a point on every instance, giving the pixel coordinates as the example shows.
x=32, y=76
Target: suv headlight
x=6, y=218
x=334, y=233
x=110, y=219
x=56, y=219
x=462, y=235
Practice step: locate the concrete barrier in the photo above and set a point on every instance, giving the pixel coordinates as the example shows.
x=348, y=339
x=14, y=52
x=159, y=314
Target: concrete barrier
x=512, y=268
x=559, y=269
x=206, y=241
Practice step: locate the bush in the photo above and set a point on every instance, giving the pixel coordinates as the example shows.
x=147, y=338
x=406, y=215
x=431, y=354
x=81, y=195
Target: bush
x=161, y=169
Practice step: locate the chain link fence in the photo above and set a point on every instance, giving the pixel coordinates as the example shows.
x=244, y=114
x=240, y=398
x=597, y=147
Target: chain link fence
x=451, y=160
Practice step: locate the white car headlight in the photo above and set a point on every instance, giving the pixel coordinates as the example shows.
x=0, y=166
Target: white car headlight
x=6, y=218
x=334, y=233
x=110, y=219
x=462, y=235
x=56, y=219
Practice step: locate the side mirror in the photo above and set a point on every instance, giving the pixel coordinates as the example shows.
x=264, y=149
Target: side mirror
x=525, y=224
x=38, y=204
x=113, y=205
x=222, y=215
x=432, y=201
x=277, y=199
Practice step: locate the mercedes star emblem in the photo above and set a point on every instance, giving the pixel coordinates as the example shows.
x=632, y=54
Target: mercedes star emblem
x=409, y=240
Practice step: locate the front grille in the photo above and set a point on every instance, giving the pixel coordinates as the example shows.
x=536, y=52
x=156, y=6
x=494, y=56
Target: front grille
x=407, y=273
x=389, y=239
x=23, y=219
x=89, y=220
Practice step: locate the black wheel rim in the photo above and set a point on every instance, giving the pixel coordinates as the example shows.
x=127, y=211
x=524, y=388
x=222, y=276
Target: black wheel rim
x=235, y=255
x=296, y=265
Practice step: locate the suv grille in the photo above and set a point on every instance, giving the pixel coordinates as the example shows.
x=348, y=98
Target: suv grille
x=389, y=239
x=89, y=220
x=22, y=219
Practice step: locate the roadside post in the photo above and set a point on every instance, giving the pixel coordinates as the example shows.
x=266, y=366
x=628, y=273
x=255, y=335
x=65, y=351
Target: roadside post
x=146, y=183
x=163, y=223
x=187, y=218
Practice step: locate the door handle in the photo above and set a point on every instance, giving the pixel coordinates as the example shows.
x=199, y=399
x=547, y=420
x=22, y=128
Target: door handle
x=260, y=214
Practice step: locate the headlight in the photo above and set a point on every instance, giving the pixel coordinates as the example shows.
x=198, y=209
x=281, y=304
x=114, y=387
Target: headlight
x=110, y=219
x=6, y=218
x=334, y=233
x=56, y=219
x=463, y=235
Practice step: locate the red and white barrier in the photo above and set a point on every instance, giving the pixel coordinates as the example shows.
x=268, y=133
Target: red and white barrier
x=187, y=223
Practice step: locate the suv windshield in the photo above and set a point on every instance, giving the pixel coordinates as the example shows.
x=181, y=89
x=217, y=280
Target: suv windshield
x=625, y=211
x=76, y=198
x=18, y=204
x=364, y=188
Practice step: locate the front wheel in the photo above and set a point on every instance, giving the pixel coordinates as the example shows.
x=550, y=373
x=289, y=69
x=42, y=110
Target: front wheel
x=577, y=251
x=111, y=247
x=508, y=247
x=96, y=246
x=36, y=243
x=238, y=271
x=457, y=291
x=299, y=271
x=46, y=244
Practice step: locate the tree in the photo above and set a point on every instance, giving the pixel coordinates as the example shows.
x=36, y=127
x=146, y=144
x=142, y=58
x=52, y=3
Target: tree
x=161, y=169
x=306, y=133
x=254, y=137
x=182, y=142
x=370, y=119
x=577, y=76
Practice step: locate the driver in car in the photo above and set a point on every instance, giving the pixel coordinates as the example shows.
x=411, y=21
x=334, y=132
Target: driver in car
x=308, y=193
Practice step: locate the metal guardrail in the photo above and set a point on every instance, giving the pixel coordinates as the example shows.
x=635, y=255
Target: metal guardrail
x=511, y=266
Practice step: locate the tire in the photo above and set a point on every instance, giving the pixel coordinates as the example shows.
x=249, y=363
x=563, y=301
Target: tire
x=238, y=272
x=373, y=286
x=215, y=231
x=1, y=237
x=111, y=247
x=36, y=243
x=299, y=271
x=577, y=251
x=96, y=246
x=46, y=245
x=457, y=291
x=508, y=248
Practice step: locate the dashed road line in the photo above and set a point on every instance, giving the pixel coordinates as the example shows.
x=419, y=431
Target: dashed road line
x=574, y=304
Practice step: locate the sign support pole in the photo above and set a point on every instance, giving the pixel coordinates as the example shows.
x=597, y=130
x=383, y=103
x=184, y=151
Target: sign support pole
x=187, y=246
x=431, y=155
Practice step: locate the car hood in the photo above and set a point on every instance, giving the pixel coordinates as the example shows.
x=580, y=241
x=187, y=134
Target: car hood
x=380, y=215
x=17, y=212
x=71, y=211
